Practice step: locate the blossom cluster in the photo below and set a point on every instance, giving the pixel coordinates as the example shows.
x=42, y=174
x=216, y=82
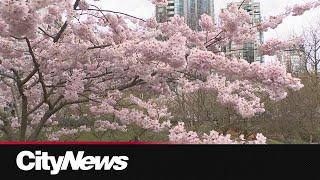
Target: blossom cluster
x=273, y=45
x=178, y=134
x=102, y=126
x=236, y=24
x=67, y=132
x=297, y=10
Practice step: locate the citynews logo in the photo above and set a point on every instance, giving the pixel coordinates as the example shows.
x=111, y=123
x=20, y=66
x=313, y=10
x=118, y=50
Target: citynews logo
x=42, y=161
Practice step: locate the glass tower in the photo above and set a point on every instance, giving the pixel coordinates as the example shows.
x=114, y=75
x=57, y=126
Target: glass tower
x=249, y=50
x=191, y=10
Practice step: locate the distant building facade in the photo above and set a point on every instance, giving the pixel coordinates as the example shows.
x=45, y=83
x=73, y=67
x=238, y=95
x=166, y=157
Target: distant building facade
x=191, y=10
x=294, y=59
x=248, y=50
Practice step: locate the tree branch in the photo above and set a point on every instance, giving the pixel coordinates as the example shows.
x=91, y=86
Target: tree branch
x=100, y=46
x=36, y=107
x=25, y=80
x=6, y=128
x=41, y=79
x=7, y=75
x=76, y=4
x=115, y=12
x=45, y=33
x=63, y=28
x=24, y=107
x=134, y=82
x=241, y=4
x=49, y=113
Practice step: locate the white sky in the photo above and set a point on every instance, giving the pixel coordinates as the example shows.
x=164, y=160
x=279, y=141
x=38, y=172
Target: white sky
x=292, y=25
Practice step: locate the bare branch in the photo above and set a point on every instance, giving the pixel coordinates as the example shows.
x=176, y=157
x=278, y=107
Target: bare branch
x=216, y=39
x=114, y=12
x=41, y=79
x=7, y=75
x=63, y=28
x=49, y=113
x=100, y=46
x=25, y=80
x=45, y=33
x=36, y=107
x=136, y=81
x=76, y=4
x=24, y=107
x=241, y=4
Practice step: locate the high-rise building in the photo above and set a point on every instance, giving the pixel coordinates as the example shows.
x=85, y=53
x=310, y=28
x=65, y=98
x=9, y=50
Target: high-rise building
x=191, y=10
x=248, y=50
x=293, y=59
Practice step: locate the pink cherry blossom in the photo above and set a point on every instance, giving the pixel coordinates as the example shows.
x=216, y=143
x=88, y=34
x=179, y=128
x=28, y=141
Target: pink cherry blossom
x=178, y=134
x=206, y=22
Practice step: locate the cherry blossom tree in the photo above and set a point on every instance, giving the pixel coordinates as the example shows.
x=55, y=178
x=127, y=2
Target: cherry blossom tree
x=58, y=54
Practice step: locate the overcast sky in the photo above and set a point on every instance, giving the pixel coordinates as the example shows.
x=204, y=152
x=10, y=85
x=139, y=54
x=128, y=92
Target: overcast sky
x=144, y=9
